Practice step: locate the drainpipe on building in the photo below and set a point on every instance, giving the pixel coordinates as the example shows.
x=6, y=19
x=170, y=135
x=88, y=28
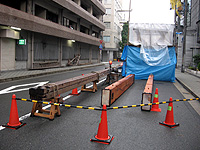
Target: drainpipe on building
x=184, y=37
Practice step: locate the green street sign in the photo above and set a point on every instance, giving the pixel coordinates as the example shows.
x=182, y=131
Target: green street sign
x=22, y=42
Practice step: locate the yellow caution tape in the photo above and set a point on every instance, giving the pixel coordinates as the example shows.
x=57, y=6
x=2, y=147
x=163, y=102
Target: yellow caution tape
x=108, y=108
x=79, y=106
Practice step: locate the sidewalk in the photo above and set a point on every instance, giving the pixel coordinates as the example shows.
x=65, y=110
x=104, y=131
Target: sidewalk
x=22, y=74
x=189, y=81
x=186, y=79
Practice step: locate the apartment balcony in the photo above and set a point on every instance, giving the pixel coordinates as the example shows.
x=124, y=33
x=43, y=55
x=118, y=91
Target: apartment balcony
x=14, y=17
x=83, y=13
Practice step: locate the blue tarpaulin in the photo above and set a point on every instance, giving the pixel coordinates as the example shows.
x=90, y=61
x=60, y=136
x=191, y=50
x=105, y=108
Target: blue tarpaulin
x=135, y=65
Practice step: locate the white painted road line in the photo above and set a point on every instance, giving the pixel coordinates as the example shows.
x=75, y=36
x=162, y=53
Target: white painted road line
x=13, y=89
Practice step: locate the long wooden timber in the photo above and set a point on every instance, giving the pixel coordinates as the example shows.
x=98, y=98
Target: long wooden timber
x=51, y=90
x=113, y=91
x=147, y=94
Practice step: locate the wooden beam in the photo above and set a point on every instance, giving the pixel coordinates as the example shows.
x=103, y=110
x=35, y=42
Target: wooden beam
x=147, y=94
x=113, y=91
x=51, y=90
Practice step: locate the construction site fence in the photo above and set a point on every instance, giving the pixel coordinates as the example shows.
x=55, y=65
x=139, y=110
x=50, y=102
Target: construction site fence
x=99, y=108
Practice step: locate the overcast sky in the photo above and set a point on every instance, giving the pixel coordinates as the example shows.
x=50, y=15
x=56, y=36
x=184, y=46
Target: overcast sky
x=149, y=11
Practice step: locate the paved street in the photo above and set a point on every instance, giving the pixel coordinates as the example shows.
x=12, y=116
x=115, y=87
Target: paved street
x=50, y=48
x=132, y=128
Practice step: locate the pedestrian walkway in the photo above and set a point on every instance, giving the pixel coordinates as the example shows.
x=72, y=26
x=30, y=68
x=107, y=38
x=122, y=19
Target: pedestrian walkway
x=190, y=81
x=21, y=74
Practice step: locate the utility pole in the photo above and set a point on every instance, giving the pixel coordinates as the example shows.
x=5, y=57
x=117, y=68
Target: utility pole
x=175, y=29
x=184, y=36
x=129, y=14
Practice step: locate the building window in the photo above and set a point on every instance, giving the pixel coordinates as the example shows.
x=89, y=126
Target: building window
x=106, y=39
x=14, y=4
x=107, y=24
x=95, y=34
x=65, y=22
x=198, y=31
x=119, y=30
x=84, y=6
x=116, y=40
x=108, y=11
x=45, y=14
x=40, y=11
x=107, y=1
x=52, y=17
x=70, y=24
x=199, y=11
x=84, y=30
x=189, y=14
x=115, y=26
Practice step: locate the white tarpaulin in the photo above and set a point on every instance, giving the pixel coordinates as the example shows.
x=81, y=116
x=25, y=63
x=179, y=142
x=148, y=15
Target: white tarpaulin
x=154, y=40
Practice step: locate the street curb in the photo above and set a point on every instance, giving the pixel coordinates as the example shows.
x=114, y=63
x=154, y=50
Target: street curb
x=187, y=88
x=192, y=74
x=50, y=72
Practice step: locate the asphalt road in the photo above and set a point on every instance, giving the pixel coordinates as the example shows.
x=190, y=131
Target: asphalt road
x=131, y=127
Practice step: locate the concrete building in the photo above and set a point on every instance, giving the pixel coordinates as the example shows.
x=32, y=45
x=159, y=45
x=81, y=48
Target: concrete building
x=193, y=35
x=112, y=33
x=37, y=34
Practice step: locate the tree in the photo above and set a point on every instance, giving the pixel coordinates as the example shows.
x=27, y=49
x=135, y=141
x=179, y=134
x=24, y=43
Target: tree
x=197, y=61
x=124, y=35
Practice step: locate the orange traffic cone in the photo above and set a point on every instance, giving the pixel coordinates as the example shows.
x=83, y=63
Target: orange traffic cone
x=14, y=122
x=75, y=92
x=102, y=134
x=169, y=120
x=155, y=107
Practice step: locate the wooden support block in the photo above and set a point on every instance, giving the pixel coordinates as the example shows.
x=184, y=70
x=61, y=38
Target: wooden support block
x=93, y=89
x=114, y=77
x=50, y=113
x=147, y=94
x=113, y=91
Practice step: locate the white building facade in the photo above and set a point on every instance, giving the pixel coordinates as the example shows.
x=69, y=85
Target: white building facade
x=112, y=33
x=192, y=38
